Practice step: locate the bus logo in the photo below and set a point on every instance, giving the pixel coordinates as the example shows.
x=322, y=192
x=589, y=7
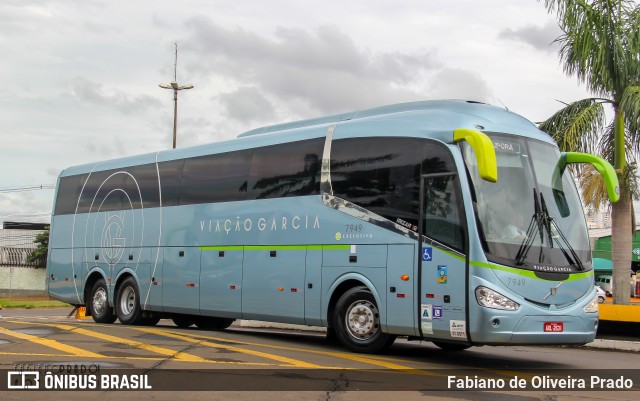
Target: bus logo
x=112, y=241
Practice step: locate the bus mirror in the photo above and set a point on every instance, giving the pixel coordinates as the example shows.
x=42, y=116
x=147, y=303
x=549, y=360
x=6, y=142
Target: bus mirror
x=484, y=150
x=604, y=168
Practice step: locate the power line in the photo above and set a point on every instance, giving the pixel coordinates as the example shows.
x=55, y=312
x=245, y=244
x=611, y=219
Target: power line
x=27, y=188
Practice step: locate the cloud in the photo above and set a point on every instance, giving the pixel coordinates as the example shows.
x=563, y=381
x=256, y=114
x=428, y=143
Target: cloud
x=308, y=72
x=540, y=38
x=247, y=104
x=454, y=83
x=88, y=91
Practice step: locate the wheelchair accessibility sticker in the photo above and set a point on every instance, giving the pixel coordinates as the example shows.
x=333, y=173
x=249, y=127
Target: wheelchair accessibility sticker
x=426, y=254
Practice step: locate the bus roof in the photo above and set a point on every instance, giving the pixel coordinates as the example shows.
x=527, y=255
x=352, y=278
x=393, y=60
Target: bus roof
x=430, y=119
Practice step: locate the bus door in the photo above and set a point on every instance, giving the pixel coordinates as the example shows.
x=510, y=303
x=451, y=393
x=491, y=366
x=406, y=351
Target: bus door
x=442, y=264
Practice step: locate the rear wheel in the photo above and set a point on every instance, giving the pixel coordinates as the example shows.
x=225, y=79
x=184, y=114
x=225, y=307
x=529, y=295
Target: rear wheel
x=212, y=323
x=99, y=307
x=128, y=302
x=357, y=322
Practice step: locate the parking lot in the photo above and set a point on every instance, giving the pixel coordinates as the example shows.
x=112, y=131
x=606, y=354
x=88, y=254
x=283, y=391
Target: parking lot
x=252, y=360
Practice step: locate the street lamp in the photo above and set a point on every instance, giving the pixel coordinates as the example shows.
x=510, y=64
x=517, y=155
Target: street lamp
x=175, y=87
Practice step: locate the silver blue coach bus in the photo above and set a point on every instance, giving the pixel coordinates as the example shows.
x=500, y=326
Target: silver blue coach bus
x=449, y=221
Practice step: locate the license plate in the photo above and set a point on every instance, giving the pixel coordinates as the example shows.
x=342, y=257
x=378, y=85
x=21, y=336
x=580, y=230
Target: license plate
x=553, y=327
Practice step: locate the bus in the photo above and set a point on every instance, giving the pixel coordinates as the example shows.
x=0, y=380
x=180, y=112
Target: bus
x=454, y=222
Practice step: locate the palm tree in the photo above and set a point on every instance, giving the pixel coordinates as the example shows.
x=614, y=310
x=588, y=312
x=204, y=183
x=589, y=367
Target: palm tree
x=601, y=47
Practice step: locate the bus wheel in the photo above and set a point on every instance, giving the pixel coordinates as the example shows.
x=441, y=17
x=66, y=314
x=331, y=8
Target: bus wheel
x=212, y=323
x=128, y=302
x=357, y=322
x=451, y=346
x=99, y=307
x=182, y=321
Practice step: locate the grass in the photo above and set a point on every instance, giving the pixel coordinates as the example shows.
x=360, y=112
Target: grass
x=30, y=303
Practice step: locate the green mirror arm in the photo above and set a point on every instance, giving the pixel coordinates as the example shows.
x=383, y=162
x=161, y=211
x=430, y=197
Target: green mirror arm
x=484, y=150
x=605, y=169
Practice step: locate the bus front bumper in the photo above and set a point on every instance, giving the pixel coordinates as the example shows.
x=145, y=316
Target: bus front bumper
x=542, y=329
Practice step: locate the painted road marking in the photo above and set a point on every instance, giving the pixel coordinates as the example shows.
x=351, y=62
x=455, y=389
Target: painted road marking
x=69, y=349
x=194, y=339
x=178, y=355
x=353, y=357
x=174, y=355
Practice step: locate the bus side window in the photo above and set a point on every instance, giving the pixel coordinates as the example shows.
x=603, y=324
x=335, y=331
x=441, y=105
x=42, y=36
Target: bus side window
x=68, y=193
x=442, y=199
x=381, y=174
x=289, y=169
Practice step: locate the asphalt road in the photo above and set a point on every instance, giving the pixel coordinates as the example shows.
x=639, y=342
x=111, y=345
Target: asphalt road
x=257, y=363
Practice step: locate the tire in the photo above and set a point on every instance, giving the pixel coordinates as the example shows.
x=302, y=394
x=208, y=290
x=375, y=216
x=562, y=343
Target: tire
x=357, y=322
x=128, y=302
x=600, y=300
x=182, y=321
x=98, y=303
x=451, y=346
x=212, y=323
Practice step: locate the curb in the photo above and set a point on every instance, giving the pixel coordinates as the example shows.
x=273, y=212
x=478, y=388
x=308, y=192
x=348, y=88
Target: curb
x=615, y=345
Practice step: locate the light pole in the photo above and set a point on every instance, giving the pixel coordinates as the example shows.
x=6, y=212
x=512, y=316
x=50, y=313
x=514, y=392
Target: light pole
x=175, y=87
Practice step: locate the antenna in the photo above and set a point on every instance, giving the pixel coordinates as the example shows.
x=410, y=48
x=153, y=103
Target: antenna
x=503, y=105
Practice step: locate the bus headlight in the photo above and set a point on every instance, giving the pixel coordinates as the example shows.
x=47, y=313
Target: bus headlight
x=491, y=299
x=592, y=306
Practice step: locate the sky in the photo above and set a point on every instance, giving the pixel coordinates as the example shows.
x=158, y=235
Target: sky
x=81, y=77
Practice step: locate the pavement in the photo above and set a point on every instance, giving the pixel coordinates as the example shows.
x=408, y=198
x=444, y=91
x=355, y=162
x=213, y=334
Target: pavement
x=622, y=336
x=604, y=344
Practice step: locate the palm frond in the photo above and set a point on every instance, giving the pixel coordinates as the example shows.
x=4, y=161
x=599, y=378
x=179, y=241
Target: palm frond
x=606, y=146
x=592, y=188
x=577, y=126
x=600, y=44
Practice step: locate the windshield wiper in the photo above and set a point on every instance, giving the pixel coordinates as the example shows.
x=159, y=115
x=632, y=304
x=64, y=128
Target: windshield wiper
x=549, y=222
x=535, y=226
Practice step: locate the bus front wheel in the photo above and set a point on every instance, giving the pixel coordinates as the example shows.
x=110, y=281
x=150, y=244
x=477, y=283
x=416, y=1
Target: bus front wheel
x=99, y=307
x=128, y=302
x=357, y=322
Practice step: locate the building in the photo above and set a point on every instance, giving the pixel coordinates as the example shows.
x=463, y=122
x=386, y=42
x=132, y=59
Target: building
x=18, y=277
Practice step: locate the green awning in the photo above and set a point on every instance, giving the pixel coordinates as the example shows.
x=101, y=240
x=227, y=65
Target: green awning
x=602, y=264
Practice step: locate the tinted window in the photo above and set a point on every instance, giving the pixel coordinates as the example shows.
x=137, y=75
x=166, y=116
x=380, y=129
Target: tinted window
x=170, y=174
x=383, y=175
x=442, y=211
x=290, y=169
x=215, y=178
x=142, y=184
x=117, y=189
x=379, y=174
x=68, y=191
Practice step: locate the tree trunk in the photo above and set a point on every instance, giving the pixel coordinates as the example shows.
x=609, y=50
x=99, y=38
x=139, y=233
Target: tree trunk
x=621, y=247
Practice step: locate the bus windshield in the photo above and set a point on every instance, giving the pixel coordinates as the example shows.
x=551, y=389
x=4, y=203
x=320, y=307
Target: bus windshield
x=529, y=218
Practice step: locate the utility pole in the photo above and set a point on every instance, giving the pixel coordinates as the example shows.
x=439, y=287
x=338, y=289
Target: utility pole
x=175, y=87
